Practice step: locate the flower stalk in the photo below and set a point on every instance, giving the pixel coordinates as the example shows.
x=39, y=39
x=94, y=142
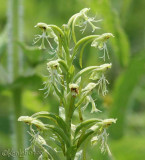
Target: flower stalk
x=72, y=93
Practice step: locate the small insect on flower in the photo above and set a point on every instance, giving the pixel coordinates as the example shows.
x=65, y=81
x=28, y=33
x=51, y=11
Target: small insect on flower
x=74, y=89
x=47, y=33
x=100, y=43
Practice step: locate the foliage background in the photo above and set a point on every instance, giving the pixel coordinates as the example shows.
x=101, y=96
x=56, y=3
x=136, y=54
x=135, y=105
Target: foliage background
x=125, y=101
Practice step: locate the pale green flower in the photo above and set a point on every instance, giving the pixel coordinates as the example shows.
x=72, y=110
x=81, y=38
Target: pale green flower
x=100, y=43
x=47, y=33
x=82, y=20
x=54, y=76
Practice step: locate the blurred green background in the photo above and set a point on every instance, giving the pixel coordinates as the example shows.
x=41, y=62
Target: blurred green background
x=22, y=70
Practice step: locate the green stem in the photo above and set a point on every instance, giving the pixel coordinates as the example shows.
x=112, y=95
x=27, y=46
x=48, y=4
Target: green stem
x=15, y=67
x=69, y=113
x=17, y=102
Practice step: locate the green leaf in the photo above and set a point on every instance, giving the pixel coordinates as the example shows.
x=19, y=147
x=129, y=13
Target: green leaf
x=81, y=53
x=62, y=63
x=57, y=91
x=52, y=152
x=86, y=123
x=83, y=137
x=123, y=90
x=55, y=118
x=84, y=71
x=56, y=142
x=82, y=42
x=59, y=132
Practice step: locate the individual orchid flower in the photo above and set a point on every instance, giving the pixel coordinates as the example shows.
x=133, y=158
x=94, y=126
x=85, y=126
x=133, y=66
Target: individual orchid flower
x=82, y=20
x=100, y=43
x=54, y=76
x=102, y=82
x=98, y=74
x=47, y=33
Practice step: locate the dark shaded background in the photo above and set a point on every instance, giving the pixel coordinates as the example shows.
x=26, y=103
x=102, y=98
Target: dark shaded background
x=22, y=67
